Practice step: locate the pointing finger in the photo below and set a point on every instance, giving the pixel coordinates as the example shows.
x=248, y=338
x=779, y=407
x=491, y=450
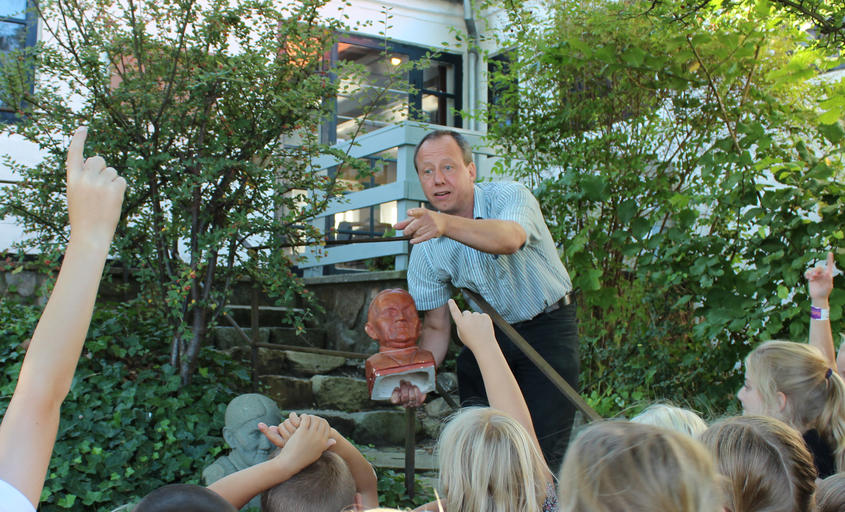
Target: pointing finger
x=74, y=151
x=455, y=310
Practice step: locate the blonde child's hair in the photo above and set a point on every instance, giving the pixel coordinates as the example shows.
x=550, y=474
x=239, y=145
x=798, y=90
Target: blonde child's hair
x=766, y=464
x=673, y=418
x=326, y=485
x=831, y=494
x=619, y=465
x=488, y=462
x=815, y=392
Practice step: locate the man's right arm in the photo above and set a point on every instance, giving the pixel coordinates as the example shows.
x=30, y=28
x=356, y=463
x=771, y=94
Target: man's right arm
x=435, y=332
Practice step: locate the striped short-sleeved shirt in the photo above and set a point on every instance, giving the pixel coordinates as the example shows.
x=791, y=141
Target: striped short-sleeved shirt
x=519, y=285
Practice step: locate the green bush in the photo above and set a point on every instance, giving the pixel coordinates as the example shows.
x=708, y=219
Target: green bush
x=126, y=426
x=392, y=492
x=691, y=168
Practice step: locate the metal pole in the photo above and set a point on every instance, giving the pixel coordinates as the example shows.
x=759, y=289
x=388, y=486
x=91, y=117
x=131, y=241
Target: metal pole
x=410, y=449
x=536, y=358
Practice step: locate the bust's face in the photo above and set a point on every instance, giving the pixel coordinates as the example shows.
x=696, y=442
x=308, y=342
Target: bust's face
x=395, y=323
x=251, y=445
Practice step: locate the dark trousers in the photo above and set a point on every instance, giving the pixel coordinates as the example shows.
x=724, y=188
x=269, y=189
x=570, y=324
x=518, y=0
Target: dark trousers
x=555, y=337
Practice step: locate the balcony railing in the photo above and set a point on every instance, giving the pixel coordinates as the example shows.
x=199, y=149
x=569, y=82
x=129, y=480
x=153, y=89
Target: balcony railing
x=405, y=190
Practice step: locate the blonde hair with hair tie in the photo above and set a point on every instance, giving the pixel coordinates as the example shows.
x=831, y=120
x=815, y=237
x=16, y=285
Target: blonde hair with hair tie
x=765, y=462
x=815, y=396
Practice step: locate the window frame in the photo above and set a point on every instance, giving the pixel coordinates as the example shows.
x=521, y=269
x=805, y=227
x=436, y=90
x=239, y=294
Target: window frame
x=9, y=114
x=415, y=78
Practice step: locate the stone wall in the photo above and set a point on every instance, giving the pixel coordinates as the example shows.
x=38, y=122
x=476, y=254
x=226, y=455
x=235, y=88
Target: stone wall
x=23, y=286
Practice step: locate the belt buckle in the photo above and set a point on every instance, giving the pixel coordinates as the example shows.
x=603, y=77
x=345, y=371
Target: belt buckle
x=564, y=301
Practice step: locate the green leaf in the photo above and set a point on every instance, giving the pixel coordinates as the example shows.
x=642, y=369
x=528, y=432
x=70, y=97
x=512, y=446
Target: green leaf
x=763, y=8
x=633, y=56
x=67, y=501
x=594, y=188
x=833, y=131
x=830, y=117
x=626, y=210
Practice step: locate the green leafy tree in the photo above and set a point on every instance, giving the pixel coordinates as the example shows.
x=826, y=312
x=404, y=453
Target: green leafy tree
x=692, y=168
x=211, y=110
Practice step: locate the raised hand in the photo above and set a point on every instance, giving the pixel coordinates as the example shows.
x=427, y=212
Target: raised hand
x=311, y=438
x=820, y=281
x=279, y=435
x=94, y=194
x=474, y=329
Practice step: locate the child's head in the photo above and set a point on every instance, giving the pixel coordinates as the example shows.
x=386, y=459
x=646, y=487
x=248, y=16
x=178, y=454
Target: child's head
x=673, y=418
x=831, y=494
x=765, y=462
x=183, y=498
x=324, y=486
x=794, y=383
x=488, y=461
x=618, y=465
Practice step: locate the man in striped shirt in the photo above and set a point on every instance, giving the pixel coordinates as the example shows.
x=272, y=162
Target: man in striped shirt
x=492, y=239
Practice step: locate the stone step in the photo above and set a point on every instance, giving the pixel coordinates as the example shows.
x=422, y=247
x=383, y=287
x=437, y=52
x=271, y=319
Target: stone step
x=225, y=337
x=267, y=315
x=394, y=457
x=321, y=391
x=294, y=363
x=380, y=428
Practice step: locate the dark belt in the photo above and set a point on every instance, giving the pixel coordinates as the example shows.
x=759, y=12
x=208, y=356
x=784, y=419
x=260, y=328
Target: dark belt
x=564, y=301
x=551, y=308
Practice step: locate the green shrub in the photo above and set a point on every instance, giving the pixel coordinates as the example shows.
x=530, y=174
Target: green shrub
x=392, y=492
x=691, y=170
x=126, y=426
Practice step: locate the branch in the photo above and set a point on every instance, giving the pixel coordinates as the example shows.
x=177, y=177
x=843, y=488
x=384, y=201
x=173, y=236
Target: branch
x=712, y=86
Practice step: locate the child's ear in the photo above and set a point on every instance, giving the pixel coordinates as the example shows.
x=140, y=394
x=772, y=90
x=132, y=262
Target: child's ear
x=781, y=401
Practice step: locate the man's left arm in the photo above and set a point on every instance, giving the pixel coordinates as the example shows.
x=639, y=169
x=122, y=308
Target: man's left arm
x=494, y=236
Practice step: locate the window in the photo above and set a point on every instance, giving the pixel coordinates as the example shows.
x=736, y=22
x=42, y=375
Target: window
x=379, y=96
x=17, y=31
x=497, y=66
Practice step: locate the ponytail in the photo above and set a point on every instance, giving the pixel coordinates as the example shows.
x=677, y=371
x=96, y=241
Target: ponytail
x=831, y=422
x=815, y=393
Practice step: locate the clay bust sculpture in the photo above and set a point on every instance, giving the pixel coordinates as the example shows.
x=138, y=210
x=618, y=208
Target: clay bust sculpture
x=392, y=320
x=249, y=445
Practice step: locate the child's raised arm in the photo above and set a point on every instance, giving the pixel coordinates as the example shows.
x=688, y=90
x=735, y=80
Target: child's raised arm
x=302, y=448
x=29, y=427
x=503, y=393
x=820, y=286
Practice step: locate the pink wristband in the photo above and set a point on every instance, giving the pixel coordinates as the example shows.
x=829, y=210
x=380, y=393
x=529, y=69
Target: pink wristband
x=819, y=313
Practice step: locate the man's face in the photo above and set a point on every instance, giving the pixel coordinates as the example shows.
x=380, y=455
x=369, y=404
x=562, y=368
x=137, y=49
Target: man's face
x=395, y=322
x=446, y=181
